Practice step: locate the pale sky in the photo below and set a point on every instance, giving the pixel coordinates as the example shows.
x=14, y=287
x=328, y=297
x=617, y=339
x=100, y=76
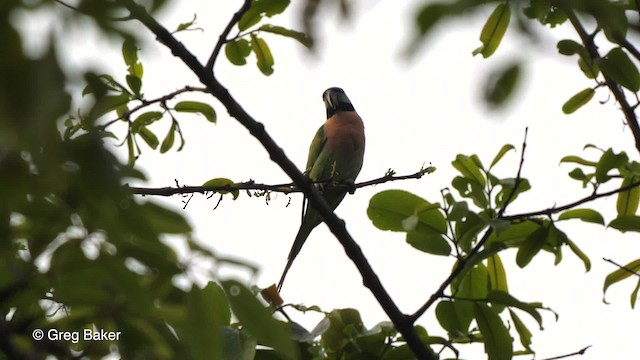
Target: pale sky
x=423, y=110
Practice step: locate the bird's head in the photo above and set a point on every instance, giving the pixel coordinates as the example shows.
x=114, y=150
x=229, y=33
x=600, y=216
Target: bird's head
x=336, y=100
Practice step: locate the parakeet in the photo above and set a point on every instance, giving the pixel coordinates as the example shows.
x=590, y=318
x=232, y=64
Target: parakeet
x=336, y=154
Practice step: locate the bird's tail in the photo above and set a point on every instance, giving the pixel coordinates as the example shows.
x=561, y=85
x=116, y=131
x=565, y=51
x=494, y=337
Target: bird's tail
x=301, y=237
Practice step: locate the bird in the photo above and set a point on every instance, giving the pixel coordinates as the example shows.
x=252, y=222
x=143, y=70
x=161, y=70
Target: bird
x=335, y=156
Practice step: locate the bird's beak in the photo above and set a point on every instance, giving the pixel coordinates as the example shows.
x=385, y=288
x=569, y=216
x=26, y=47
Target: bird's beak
x=332, y=98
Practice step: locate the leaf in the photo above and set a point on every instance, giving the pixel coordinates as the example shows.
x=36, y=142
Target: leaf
x=135, y=84
x=578, y=100
x=429, y=242
x=587, y=215
x=388, y=210
x=634, y=294
x=580, y=254
x=626, y=223
x=207, y=311
x=617, y=66
x=163, y=220
x=237, y=51
x=449, y=319
x=499, y=86
x=197, y=107
x=589, y=68
x=569, y=47
x=168, y=141
x=531, y=246
x=503, y=151
x=497, y=341
x=259, y=9
x=264, y=59
x=257, y=319
x=148, y=136
x=301, y=37
x=343, y=324
x=493, y=30
x=469, y=169
x=129, y=52
x=609, y=160
x=186, y=25
x=618, y=275
x=145, y=119
x=109, y=103
x=627, y=203
x=578, y=160
x=523, y=331
x=497, y=274
x=504, y=298
x=221, y=182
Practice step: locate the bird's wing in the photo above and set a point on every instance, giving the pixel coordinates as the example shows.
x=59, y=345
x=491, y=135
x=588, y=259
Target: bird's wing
x=315, y=149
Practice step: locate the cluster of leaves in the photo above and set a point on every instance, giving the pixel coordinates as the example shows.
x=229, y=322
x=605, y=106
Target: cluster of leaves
x=618, y=168
x=238, y=48
x=472, y=230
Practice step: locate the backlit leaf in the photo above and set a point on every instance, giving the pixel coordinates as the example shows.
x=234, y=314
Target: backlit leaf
x=578, y=100
x=493, y=30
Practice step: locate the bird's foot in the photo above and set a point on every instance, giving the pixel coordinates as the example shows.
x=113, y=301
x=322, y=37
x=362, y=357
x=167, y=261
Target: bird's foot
x=351, y=186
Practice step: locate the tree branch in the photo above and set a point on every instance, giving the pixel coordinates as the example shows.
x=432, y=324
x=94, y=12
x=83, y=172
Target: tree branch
x=335, y=224
x=462, y=263
x=223, y=36
x=622, y=267
x=579, y=352
x=617, y=91
x=252, y=185
x=145, y=103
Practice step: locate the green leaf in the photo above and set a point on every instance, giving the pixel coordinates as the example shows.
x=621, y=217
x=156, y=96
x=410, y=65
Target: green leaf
x=259, y=9
x=220, y=182
x=186, y=25
x=627, y=203
x=493, y=30
x=580, y=254
x=197, y=107
x=499, y=87
x=608, y=161
x=589, y=68
x=458, y=211
x=578, y=100
x=109, y=103
x=207, y=311
x=168, y=141
x=389, y=209
x=617, y=66
x=626, y=223
x=145, y=119
x=509, y=189
x=504, y=298
x=497, y=274
x=135, y=84
x=343, y=325
x=618, y=275
x=587, y=215
x=149, y=137
x=129, y=52
x=429, y=242
x=264, y=59
x=531, y=246
x=301, y=37
x=634, y=294
x=163, y=220
x=578, y=160
x=503, y=151
x=257, y=319
x=237, y=51
x=449, y=319
x=569, y=47
x=523, y=331
x=469, y=169
x=497, y=341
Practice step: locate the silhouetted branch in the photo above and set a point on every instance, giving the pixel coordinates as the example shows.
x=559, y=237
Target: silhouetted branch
x=283, y=188
x=615, y=89
x=336, y=225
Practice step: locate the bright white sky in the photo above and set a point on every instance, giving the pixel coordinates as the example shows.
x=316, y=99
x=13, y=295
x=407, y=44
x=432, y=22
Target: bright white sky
x=424, y=110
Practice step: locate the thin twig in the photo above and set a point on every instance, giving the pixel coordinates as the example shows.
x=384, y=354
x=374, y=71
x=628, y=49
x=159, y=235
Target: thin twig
x=145, y=103
x=622, y=267
x=252, y=185
x=462, y=263
x=223, y=36
x=579, y=352
x=336, y=225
